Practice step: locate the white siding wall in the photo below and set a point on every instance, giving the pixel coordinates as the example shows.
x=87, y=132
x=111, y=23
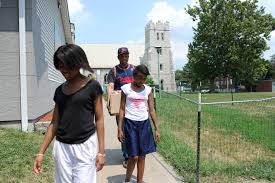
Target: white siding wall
x=44, y=34
x=51, y=36
x=48, y=34
x=9, y=57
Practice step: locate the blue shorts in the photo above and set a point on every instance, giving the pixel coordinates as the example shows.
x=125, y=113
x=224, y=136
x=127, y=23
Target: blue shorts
x=139, y=137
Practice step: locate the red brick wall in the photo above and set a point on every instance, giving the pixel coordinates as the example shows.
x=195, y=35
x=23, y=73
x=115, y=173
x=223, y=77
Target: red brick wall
x=264, y=86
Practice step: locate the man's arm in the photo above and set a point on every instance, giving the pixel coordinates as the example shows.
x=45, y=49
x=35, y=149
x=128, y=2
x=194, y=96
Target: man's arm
x=111, y=80
x=110, y=90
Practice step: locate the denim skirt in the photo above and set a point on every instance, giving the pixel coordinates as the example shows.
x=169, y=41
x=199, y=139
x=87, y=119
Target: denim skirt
x=139, y=137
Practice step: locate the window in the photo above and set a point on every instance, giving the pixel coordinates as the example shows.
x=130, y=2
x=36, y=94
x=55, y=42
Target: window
x=106, y=78
x=160, y=67
x=159, y=50
x=162, y=84
x=162, y=36
x=157, y=36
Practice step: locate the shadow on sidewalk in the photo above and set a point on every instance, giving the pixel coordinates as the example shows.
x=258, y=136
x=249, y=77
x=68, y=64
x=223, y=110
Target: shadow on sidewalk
x=113, y=157
x=121, y=178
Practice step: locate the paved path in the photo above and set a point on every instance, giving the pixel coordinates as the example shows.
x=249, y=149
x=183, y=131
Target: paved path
x=156, y=170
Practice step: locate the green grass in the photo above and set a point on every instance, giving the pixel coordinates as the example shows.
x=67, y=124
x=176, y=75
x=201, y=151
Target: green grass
x=180, y=156
x=17, y=153
x=259, y=128
x=238, y=141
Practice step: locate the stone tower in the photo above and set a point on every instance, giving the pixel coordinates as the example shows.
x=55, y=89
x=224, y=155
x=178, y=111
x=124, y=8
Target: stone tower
x=158, y=50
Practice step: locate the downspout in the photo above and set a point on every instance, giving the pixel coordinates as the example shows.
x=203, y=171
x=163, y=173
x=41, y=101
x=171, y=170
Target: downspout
x=23, y=66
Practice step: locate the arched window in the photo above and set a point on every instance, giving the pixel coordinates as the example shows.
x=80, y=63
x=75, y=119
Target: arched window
x=157, y=36
x=161, y=84
x=106, y=78
x=162, y=36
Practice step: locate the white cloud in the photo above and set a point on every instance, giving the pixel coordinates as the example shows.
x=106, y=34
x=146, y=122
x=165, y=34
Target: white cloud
x=75, y=6
x=164, y=12
x=181, y=28
x=81, y=17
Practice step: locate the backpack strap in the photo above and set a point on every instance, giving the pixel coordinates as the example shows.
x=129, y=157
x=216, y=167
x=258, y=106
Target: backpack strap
x=115, y=71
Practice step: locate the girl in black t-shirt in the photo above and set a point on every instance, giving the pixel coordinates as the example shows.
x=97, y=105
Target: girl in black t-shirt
x=77, y=121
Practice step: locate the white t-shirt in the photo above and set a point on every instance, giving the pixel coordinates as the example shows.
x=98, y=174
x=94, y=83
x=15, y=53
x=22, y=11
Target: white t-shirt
x=136, y=106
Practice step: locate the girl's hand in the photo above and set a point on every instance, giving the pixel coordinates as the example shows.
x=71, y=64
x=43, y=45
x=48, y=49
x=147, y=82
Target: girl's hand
x=120, y=135
x=158, y=136
x=37, y=164
x=100, y=161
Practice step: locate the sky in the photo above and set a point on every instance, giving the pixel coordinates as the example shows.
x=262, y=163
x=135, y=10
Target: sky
x=123, y=22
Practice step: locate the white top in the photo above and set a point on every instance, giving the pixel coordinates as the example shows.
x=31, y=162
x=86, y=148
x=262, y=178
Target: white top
x=136, y=106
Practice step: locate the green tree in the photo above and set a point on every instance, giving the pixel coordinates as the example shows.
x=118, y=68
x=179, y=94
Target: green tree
x=149, y=81
x=271, y=68
x=187, y=77
x=270, y=72
x=229, y=40
x=272, y=60
x=178, y=76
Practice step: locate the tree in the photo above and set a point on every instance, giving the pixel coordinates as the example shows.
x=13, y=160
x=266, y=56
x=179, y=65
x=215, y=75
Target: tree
x=187, y=77
x=272, y=60
x=270, y=72
x=149, y=81
x=179, y=76
x=271, y=68
x=229, y=40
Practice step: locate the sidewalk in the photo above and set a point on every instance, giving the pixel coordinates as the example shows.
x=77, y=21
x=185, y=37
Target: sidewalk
x=156, y=170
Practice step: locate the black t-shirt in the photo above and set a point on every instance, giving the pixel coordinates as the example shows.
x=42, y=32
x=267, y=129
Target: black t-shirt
x=76, y=113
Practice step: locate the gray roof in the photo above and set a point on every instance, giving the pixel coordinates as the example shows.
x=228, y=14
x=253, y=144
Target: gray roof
x=105, y=55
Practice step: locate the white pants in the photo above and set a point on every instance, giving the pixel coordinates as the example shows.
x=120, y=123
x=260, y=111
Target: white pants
x=76, y=163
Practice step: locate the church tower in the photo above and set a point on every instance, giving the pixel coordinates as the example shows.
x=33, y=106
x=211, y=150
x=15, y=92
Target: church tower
x=158, y=55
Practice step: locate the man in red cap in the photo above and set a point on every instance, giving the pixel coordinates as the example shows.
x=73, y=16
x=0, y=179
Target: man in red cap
x=118, y=76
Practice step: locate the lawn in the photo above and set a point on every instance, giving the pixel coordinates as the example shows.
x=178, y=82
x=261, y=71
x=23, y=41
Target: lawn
x=17, y=152
x=238, y=141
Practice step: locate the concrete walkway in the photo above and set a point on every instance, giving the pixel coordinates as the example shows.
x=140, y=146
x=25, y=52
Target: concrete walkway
x=156, y=170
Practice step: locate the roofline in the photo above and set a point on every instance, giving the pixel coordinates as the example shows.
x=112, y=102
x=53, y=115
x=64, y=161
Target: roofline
x=66, y=21
x=112, y=44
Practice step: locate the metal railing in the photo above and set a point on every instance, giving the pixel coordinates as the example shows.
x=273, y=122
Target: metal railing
x=219, y=142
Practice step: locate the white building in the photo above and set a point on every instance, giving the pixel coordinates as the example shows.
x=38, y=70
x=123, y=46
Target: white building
x=30, y=32
x=158, y=54
x=103, y=57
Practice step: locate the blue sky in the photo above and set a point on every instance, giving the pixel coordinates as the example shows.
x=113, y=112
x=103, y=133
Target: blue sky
x=123, y=21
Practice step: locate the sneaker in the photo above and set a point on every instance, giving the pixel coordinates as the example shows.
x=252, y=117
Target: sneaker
x=124, y=163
